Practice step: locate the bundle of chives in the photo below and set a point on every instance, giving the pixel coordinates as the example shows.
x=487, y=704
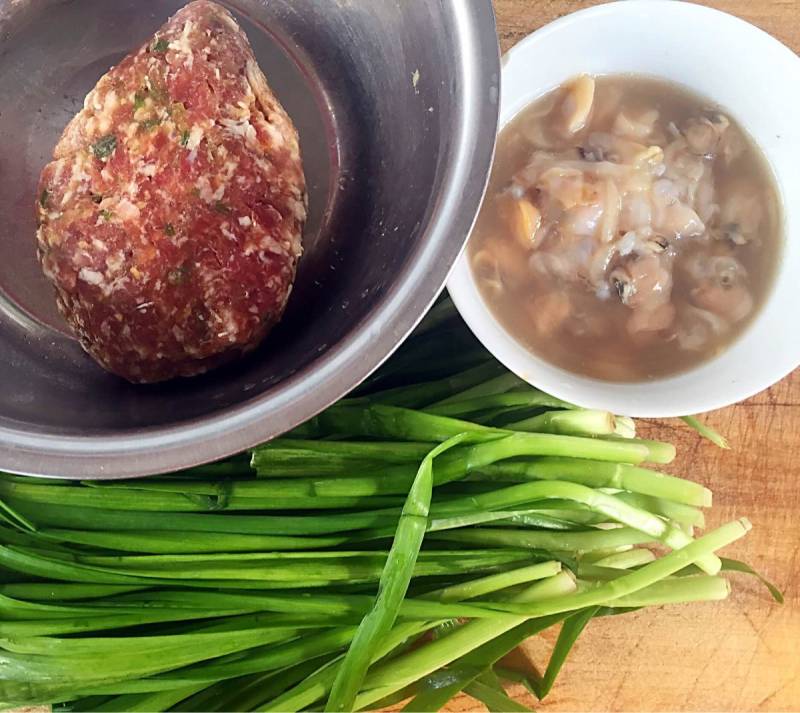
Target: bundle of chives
x=395, y=546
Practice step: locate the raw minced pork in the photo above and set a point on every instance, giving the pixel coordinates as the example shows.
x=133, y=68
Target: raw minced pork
x=170, y=219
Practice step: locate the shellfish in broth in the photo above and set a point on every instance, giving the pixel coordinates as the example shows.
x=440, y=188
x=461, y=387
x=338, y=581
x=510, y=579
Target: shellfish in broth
x=631, y=229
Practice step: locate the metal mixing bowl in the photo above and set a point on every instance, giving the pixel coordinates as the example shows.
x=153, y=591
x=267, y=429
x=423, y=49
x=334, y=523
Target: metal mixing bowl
x=396, y=105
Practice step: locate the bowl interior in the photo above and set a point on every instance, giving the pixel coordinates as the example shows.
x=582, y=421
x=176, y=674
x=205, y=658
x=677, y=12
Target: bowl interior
x=701, y=49
x=378, y=96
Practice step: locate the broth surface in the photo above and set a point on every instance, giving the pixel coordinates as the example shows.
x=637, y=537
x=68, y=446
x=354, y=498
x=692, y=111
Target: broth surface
x=630, y=231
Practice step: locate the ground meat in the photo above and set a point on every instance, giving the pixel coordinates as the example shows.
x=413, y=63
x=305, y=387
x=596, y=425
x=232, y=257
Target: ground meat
x=170, y=219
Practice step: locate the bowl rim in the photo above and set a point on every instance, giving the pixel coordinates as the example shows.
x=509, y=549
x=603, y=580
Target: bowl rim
x=307, y=392
x=627, y=397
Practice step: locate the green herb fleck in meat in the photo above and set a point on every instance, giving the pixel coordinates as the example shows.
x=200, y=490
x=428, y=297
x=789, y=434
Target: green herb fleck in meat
x=160, y=95
x=179, y=275
x=160, y=46
x=169, y=230
x=151, y=123
x=43, y=198
x=105, y=146
x=138, y=100
x=106, y=214
x=220, y=207
x=184, y=138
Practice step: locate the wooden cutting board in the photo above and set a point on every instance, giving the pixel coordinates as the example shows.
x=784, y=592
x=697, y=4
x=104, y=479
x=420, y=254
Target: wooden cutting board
x=742, y=654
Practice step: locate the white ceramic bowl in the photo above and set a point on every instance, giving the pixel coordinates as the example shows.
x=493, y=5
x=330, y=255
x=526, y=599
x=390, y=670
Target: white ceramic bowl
x=751, y=75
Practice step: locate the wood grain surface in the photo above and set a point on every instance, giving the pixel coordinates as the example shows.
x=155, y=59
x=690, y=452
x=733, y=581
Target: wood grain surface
x=742, y=654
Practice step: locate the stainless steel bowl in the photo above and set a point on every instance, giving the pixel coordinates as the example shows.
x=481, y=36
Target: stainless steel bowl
x=396, y=104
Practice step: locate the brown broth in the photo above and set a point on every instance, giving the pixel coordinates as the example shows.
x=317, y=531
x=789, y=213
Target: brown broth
x=572, y=314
